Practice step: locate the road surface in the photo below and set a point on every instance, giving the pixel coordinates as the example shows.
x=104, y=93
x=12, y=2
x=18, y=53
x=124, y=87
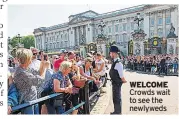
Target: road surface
x=170, y=100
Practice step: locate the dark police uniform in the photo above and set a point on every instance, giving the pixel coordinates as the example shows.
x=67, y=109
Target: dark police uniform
x=115, y=71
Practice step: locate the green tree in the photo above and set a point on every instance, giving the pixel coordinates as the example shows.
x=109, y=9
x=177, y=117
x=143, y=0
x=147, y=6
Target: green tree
x=28, y=41
x=14, y=41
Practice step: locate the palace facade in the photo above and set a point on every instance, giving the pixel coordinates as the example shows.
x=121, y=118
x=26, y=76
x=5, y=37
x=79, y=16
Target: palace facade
x=83, y=28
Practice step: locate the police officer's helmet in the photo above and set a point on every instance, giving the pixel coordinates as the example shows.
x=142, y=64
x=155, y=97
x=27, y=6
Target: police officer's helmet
x=114, y=49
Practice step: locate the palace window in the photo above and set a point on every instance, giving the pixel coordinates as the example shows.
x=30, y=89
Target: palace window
x=124, y=37
x=128, y=27
x=152, y=22
x=110, y=29
x=160, y=21
x=124, y=26
x=120, y=38
x=168, y=20
x=117, y=38
x=116, y=28
x=54, y=45
x=132, y=26
x=160, y=32
x=120, y=27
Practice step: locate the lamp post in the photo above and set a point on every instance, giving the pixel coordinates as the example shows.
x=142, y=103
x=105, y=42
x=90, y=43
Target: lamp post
x=46, y=46
x=101, y=26
x=101, y=39
x=18, y=37
x=19, y=44
x=138, y=19
x=9, y=39
x=138, y=37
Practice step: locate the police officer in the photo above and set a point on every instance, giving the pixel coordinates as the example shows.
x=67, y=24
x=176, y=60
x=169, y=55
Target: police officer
x=117, y=78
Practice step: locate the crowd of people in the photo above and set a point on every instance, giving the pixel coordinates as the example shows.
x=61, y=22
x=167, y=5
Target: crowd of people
x=153, y=63
x=32, y=74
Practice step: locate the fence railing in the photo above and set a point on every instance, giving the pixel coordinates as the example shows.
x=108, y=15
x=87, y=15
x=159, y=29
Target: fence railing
x=168, y=69
x=85, y=102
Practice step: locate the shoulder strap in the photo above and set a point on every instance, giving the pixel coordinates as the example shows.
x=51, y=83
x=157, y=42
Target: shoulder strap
x=83, y=68
x=114, y=64
x=90, y=72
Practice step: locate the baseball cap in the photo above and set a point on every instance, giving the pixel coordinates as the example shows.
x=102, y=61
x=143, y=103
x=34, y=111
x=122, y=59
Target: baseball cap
x=63, y=51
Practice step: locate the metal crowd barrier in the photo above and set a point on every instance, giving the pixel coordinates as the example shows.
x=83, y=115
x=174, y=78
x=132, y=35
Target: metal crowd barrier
x=168, y=69
x=85, y=101
x=30, y=103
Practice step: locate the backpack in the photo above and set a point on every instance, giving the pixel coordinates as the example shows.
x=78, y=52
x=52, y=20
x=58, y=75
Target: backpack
x=47, y=86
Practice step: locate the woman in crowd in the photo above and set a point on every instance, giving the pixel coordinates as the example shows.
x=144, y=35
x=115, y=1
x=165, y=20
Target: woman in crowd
x=12, y=94
x=25, y=82
x=175, y=65
x=77, y=82
x=100, y=67
x=153, y=67
x=61, y=84
x=86, y=71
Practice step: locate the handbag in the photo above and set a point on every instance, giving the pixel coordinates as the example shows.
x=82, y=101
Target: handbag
x=58, y=101
x=79, y=83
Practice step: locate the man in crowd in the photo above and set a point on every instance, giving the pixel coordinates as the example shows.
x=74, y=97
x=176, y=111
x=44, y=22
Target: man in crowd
x=62, y=56
x=162, y=65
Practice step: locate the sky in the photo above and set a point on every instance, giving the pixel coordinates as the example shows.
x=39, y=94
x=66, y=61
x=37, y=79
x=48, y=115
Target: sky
x=23, y=19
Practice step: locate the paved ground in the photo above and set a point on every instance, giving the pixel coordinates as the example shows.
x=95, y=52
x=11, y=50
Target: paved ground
x=171, y=101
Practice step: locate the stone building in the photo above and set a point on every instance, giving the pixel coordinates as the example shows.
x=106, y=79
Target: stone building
x=82, y=28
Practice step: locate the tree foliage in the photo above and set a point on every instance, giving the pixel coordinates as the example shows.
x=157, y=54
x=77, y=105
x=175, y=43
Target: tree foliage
x=27, y=41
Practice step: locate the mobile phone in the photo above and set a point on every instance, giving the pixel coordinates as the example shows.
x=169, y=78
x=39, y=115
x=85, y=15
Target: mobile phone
x=45, y=57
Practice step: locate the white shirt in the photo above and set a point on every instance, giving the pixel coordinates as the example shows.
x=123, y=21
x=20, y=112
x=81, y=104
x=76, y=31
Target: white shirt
x=98, y=65
x=119, y=68
x=35, y=65
x=79, y=63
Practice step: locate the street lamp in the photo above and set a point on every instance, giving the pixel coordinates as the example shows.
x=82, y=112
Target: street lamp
x=46, y=46
x=9, y=39
x=19, y=44
x=18, y=37
x=138, y=36
x=101, y=26
x=138, y=19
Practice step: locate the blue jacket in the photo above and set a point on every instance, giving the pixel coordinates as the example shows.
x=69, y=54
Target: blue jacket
x=12, y=96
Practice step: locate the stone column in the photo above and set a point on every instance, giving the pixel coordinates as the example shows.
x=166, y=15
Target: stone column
x=72, y=40
x=147, y=25
x=79, y=35
x=155, y=24
x=174, y=18
x=87, y=33
x=164, y=23
x=35, y=40
x=91, y=32
x=43, y=41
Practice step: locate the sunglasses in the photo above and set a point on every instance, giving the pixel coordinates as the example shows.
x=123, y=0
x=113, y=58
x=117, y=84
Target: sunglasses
x=34, y=53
